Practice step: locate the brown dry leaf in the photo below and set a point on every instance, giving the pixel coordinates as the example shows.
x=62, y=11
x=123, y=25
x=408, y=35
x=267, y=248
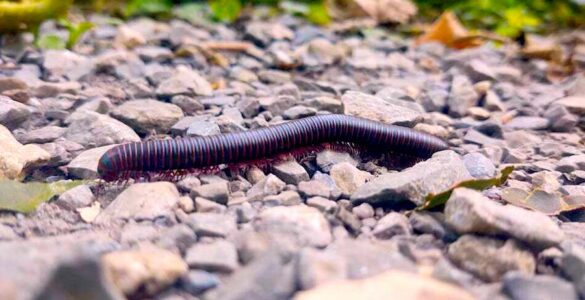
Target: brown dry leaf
x=539, y=200
x=450, y=32
x=383, y=11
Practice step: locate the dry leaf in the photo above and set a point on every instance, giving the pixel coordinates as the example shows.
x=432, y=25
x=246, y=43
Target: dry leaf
x=450, y=32
x=539, y=200
x=383, y=11
x=88, y=214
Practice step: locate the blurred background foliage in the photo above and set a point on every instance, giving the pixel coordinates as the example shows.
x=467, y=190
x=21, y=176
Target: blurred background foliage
x=504, y=17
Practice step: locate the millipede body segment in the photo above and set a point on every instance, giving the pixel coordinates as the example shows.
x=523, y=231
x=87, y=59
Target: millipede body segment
x=136, y=160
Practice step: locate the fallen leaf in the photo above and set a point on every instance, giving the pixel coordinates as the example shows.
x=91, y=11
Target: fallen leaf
x=449, y=31
x=25, y=197
x=434, y=200
x=383, y=11
x=88, y=214
x=539, y=200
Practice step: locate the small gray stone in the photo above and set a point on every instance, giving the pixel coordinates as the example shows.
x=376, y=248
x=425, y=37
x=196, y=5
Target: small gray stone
x=571, y=163
x=286, y=198
x=77, y=197
x=298, y=112
x=277, y=105
x=270, y=185
x=435, y=175
x=216, y=192
x=348, y=178
x=560, y=118
x=188, y=104
x=422, y=222
x=290, y=172
x=203, y=205
x=91, y=129
x=220, y=101
x=147, y=115
x=325, y=103
x=142, y=201
x=468, y=211
x=524, y=122
x=184, y=82
x=197, y=281
x=326, y=159
x=520, y=286
x=374, y=108
x=363, y=211
x=85, y=164
x=12, y=113
x=211, y=224
x=490, y=259
x=477, y=70
x=218, y=256
x=475, y=137
x=64, y=63
x=314, y=188
x=479, y=166
x=390, y=225
x=179, y=237
x=319, y=267
x=267, y=277
x=305, y=225
x=42, y=135
x=249, y=107
x=462, y=96
x=203, y=128
x=322, y=204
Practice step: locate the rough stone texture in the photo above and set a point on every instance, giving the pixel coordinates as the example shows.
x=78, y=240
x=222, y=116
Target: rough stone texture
x=211, y=224
x=218, y=256
x=390, y=225
x=146, y=115
x=142, y=201
x=16, y=159
x=304, y=224
x=519, y=286
x=92, y=129
x=12, y=113
x=462, y=96
x=326, y=159
x=149, y=268
x=468, y=211
x=348, y=178
x=374, y=108
x=479, y=166
x=184, y=82
x=290, y=172
x=392, y=284
x=86, y=163
x=435, y=175
x=217, y=192
x=76, y=197
x=490, y=259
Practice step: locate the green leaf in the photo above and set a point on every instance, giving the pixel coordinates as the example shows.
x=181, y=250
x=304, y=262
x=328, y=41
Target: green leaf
x=148, y=7
x=434, y=200
x=76, y=31
x=318, y=13
x=25, y=197
x=51, y=41
x=225, y=10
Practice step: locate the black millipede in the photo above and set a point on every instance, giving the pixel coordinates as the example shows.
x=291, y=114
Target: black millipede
x=171, y=158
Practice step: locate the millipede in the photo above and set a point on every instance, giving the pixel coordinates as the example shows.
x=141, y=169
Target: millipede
x=173, y=158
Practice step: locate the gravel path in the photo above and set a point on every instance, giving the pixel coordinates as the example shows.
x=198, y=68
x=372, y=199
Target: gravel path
x=334, y=226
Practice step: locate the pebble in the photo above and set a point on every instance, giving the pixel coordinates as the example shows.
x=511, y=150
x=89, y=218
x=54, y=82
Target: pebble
x=391, y=225
x=363, y=211
x=468, y=211
x=323, y=204
x=326, y=159
x=306, y=225
x=12, y=113
x=287, y=198
x=373, y=108
x=147, y=115
x=571, y=163
x=211, y=224
x=197, y=282
x=434, y=175
x=348, y=178
x=85, y=165
x=203, y=128
x=269, y=185
x=92, y=129
x=150, y=269
x=462, y=96
x=290, y=172
x=142, y=201
x=77, y=197
x=16, y=159
x=528, y=123
x=490, y=259
x=217, y=192
x=519, y=286
x=217, y=256
x=479, y=166
x=314, y=188
x=184, y=81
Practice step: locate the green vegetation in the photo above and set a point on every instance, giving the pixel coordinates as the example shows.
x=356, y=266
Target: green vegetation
x=509, y=17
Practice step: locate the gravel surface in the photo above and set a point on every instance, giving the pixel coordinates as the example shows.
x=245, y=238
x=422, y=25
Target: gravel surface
x=322, y=228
